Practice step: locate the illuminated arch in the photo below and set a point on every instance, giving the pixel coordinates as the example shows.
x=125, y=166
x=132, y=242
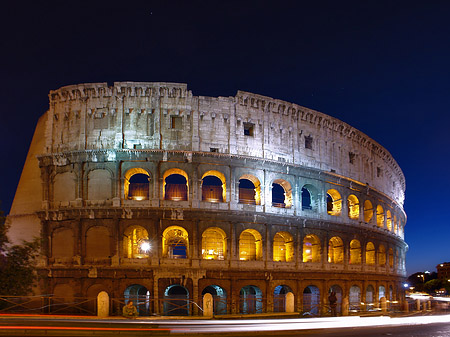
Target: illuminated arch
x=135, y=242
x=389, y=220
x=283, y=247
x=334, y=202
x=250, y=245
x=335, y=250
x=380, y=216
x=215, y=193
x=287, y=194
x=368, y=211
x=249, y=195
x=175, y=242
x=395, y=225
x=214, y=244
x=391, y=258
x=370, y=253
x=355, y=252
x=381, y=255
x=311, y=248
x=126, y=186
x=353, y=207
x=177, y=192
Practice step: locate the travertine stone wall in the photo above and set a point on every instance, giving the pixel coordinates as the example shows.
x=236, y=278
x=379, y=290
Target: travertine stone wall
x=143, y=116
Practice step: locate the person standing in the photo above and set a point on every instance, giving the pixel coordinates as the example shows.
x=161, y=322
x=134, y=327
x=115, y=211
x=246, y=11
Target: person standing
x=333, y=303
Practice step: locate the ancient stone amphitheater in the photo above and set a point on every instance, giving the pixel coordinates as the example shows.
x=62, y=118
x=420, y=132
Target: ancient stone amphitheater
x=147, y=192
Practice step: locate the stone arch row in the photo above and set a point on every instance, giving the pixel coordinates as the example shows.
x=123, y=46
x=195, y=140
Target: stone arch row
x=251, y=299
x=248, y=190
x=214, y=244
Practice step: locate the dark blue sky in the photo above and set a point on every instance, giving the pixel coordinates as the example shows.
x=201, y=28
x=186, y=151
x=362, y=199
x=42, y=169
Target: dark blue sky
x=381, y=66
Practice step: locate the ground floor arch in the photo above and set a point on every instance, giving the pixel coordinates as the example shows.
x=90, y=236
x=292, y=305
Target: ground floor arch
x=311, y=300
x=140, y=296
x=250, y=300
x=176, y=301
x=338, y=292
x=219, y=298
x=354, y=298
x=279, y=298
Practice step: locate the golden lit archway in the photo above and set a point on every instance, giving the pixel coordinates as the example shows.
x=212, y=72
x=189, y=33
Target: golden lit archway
x=353, y=207
x=395, y=225
x=175, y=243
x=381, y=255
x=311, y=248
x=138, y=190
x=334, y=202
x=175, y=191
x=368, y=211
x=335, y=250
x=250, y=245
x=135, y=242
x=355, y=252
x=214, y=244
x=370, y=253
x=249, y=194
x=389, y=220
x=283, y=247
x=391, y=257
x=213, y=192
x=380, y=216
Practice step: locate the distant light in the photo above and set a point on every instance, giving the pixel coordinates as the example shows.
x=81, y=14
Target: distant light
x=145, y=246
x=406, y=285
x=427, y=272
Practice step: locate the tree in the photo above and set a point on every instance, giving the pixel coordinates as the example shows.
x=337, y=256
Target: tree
x=17, y=263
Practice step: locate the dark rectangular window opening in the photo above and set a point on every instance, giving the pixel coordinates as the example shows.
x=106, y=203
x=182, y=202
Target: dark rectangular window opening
x=248, y=129
x=308, y=142
x=213, y=149
x=351, y=157
x=379, y=172
x=176, y=122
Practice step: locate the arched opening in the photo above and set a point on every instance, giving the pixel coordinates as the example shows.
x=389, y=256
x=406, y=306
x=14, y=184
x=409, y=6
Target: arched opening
x=368, y=211
x=281, y=194
x=135, y=243
x=278, y=196
x=311, y=300
x=381, y=292
x=136, y=186
x=389, y=220
x=381, y=255
x=250, y=245
x=213, y=244
x=391, y=294
x=250, y=300
x=355, y=252
x=311, y=248
x=94, y=249
x=338, y=291
x=395, y=225
x=283, y=247
x=140, y=297
x=370, y=253
x=353, y=207
x=334, y=202
x=279, y=298
x=175, y=187
x=219, y=298
x=380, y=216
x=354, y=298
x=249, y=190
x=175, y=242
x=213, y=187
x=176, y=301
x=335, y=250
x=391, y=258
x=370, y=298
x=309, y=197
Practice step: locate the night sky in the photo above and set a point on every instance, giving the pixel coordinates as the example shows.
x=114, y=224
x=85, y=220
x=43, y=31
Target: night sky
x=380, y=66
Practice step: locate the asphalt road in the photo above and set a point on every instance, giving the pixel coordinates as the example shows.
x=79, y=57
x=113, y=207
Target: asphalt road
x=43, y=326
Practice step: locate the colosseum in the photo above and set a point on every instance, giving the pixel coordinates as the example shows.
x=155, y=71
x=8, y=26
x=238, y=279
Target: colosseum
x=147, y=192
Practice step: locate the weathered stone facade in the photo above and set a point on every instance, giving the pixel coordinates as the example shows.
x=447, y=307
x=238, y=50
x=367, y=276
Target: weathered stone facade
x=243, y=197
